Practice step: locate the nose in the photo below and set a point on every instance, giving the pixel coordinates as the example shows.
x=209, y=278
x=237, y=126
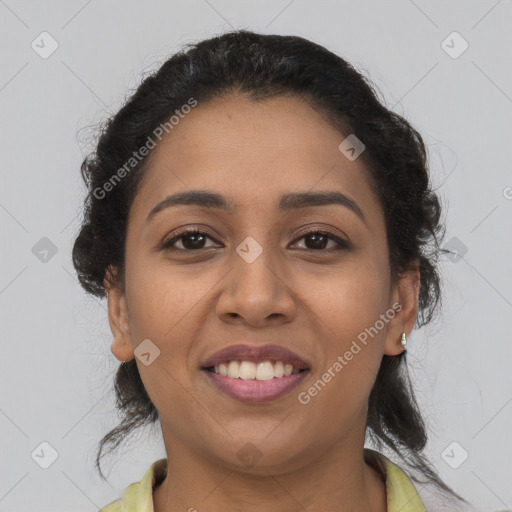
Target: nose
x=257, y=293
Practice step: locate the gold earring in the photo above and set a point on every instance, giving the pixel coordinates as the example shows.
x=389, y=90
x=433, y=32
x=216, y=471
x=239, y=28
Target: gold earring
x=404, y=340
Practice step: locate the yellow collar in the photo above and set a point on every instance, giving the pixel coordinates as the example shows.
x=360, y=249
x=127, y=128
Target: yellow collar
x=401, y=494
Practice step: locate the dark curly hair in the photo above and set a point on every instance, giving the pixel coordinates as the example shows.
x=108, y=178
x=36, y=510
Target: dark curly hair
x=265, y=66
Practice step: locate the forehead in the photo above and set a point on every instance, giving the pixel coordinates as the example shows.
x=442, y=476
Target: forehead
x=252, y=152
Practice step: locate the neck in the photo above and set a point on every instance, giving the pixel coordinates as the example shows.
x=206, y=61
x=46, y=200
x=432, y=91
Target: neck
x=339, y=480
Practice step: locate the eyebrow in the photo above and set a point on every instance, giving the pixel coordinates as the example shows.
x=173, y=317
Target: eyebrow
x=287, y=202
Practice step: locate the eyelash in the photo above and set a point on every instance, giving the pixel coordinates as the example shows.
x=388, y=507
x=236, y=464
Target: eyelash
x=342, y=244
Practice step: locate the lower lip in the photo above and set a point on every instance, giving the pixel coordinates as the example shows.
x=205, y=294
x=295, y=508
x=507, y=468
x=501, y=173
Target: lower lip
x=256, y=390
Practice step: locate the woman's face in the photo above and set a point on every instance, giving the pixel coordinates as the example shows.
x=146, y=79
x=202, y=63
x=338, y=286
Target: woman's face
x=255, y=277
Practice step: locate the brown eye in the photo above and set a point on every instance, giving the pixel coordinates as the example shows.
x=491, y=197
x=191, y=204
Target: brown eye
x=191, y=240
x=318, y=240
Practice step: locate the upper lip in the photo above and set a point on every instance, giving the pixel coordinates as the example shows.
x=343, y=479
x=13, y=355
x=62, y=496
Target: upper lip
x=257, y=354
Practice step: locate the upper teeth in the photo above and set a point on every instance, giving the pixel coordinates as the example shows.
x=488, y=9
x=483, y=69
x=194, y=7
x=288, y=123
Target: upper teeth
x=247, y=370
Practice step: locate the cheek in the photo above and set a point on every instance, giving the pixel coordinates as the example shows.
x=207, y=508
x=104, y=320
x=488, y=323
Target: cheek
x=162, y=309
x=351, y=309
x=353, y=334
x=350, y=298
x=159, y=298
x=167, y=306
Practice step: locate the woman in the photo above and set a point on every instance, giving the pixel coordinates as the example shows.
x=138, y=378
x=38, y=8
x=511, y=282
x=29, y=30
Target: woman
x=266, y=234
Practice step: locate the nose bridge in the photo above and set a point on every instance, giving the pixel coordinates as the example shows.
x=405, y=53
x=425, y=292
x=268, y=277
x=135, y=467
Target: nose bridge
x=257, y=260
x=256, y=236
x=256, y=290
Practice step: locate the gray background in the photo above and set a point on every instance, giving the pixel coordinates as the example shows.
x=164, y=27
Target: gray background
x=56, y=364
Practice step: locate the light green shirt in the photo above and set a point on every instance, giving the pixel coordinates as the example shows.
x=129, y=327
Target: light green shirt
x=401, y=493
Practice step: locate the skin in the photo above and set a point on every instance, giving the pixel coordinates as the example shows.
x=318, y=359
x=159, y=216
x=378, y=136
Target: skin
x=295, y=294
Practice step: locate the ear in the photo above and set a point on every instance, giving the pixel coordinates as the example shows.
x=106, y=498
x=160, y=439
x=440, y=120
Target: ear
x=406, y=293
x=118, y=318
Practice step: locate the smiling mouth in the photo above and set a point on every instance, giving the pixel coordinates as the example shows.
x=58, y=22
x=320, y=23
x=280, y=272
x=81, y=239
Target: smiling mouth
x=249, y=370
x=253, y=383
x=255, y=374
